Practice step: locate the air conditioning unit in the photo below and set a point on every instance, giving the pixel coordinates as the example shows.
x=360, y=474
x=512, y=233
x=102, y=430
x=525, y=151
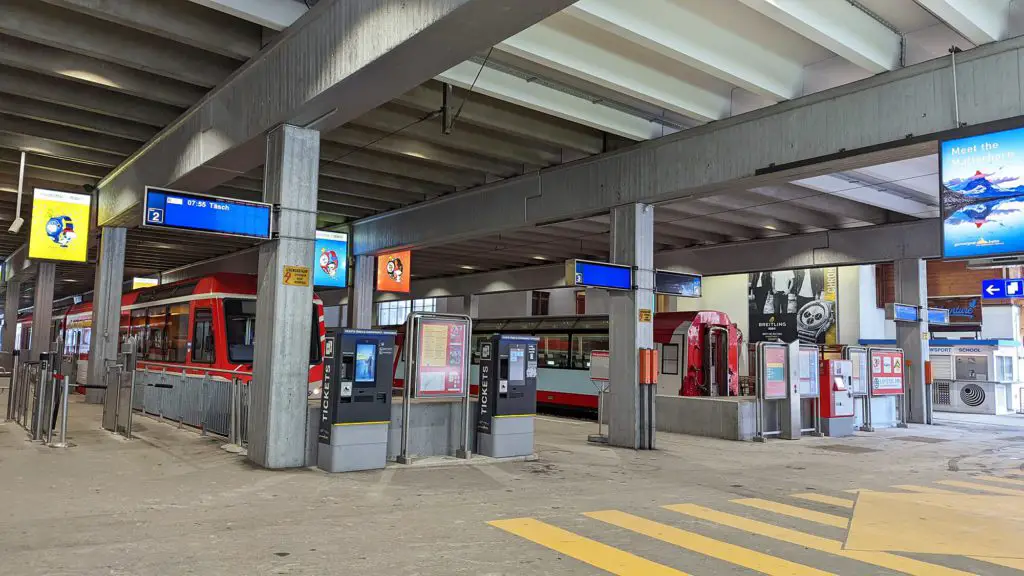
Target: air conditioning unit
x=968, y=397
x=998, y=262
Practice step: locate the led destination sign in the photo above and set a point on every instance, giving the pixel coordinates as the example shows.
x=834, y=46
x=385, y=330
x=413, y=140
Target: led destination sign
x=598, y=275
x=199, y=213
x=677, y=284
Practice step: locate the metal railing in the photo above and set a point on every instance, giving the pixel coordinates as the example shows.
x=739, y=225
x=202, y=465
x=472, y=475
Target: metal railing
x=212, y=401
x=38, y=396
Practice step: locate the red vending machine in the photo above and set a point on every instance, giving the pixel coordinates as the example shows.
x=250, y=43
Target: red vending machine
x=837, y=398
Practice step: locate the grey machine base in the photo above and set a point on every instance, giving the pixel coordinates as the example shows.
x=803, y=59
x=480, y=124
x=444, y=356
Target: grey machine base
x=837, y=426
x=354, y=447
x=510, y=436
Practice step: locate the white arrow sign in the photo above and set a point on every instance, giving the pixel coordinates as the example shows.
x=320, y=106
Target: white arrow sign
x=991, y=289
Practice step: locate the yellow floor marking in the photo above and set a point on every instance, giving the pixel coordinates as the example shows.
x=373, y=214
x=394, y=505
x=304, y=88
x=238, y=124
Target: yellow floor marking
x=1013, y=481
x=795, y=512
x=607, y=558
x=825, y=499
x=737, y=555
x=1014, y=563
x=982, y=487
x=924, y=489
x=835, y=547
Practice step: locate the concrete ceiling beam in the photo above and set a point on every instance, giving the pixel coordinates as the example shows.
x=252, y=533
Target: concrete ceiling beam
x=384, y=180
x=42, y=59
x=702, y=44
x=844, y=209
x=491, y=113
x=45, y=24
x=44, y=147
x=12, y=156
x=72, y=182
x=182, y=22
x=74, y=118
x=839, y=26
x=273, y=14
x=69, y=136
x=75, y=95
x=980, y=21
x=334, y=154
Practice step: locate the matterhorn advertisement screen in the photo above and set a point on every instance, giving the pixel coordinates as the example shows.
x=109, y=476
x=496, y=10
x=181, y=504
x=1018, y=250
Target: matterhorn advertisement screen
x=983, y=195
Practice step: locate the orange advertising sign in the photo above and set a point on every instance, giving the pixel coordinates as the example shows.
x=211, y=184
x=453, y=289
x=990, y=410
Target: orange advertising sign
x=393, y=271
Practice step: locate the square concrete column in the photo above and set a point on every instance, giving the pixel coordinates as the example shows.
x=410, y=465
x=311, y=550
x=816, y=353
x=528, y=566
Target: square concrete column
x=471, y=305
x=360, y=303
x=631, y=405
x=279, y=389
x=12, y=301
x=106, y=309
x=912, y=288
x=42, y=308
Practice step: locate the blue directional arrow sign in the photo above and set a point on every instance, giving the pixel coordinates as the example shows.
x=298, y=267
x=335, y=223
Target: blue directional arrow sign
x=992, y=289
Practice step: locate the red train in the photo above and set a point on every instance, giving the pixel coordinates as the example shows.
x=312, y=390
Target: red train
x=200, y=325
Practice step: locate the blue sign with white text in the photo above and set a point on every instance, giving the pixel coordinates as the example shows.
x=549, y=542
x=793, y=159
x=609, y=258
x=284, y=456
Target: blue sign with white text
x=200, y=213
x=982, y=195
x=1002, y=288
x=905, y=313
x=599, y=275
x=938, y=316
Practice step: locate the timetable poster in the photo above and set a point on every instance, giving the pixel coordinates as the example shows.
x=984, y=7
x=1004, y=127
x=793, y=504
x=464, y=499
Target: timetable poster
x=442, y=354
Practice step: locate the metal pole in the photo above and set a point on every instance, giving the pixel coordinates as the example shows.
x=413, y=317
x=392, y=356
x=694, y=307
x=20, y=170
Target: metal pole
x=40, y=404
x=233, y=432
x=131, y=403
x=49, y=411
x=956, y=96
x=64, y=417
x=10, y=397
x=467, y=360
x=410, y=355
x=181, y=398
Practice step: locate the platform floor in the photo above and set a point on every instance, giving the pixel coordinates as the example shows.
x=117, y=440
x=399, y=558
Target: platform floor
x=923, y=501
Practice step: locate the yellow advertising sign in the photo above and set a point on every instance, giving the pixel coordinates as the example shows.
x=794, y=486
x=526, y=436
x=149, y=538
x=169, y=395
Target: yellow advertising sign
x=139, y=282
x=60, y=226
x=296, y=276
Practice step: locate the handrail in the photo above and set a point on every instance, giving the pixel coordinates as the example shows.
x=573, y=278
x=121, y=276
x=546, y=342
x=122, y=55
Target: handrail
x=193, y=368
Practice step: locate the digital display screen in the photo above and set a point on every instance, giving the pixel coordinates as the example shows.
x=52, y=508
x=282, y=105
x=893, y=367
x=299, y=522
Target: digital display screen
x=599, y=275
x=938, y=316
x=677, y=283
x=516, y=364
x=982, y=195
x=331, y=254
x=199, y=213
x=366, y=362
x=905, y=313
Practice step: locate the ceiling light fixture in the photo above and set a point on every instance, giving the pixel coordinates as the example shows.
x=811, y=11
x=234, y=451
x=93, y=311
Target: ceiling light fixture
x=770, y=227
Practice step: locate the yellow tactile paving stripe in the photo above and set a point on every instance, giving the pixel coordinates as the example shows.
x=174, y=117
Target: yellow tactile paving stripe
x=795, y=512
x=825, y=499
x=982, y=487
x=731, y=553
x=1014, y=563
x=835, y=547
x=607, y=558
x=1013, y=481
x=924, y=489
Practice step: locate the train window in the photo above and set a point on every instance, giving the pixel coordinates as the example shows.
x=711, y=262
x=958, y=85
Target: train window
x=314, y=339
x=592, y=323
x=521, y=325
x=670, y=358
x=583, y=345
x=553, y=351
x=156, y=324
x=177, y=333
x=202, y=337
x=139, y=330
x=240, y=323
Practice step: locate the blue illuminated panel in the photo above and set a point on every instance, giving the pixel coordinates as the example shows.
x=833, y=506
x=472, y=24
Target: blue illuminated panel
x=199, y=213
x=905, y=313
x=599, y=275
x=677, y=284
x=938, y=316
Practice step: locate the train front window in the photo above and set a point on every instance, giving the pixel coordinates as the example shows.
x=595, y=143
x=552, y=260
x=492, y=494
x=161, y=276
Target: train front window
x=240, y=327
x=583, y=345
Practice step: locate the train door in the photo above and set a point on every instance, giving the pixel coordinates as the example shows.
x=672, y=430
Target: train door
x=670, y=373
x=716, y=361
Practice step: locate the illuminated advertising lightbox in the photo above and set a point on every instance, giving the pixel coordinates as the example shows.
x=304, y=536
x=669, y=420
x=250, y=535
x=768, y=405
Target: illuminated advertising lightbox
x=393, y=271
x=138, y=282
x=60, y=226
x=982, y=195
x=331, y=255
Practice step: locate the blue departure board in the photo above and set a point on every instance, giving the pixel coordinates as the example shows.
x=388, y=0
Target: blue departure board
x=938, y=316
x=905, y=313
x=199, y=213
x=598, y=275
x=678, y=284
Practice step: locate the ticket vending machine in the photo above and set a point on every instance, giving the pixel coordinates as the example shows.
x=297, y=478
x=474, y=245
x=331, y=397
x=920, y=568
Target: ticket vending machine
x=355, y=408
x=508, y=396
x=837, y=398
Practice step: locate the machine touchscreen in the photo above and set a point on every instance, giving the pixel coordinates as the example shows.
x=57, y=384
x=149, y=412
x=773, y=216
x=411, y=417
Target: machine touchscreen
x=366, y=363
x=517, y=364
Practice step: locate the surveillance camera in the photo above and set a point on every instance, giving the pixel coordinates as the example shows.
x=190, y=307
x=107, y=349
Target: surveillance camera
x=16, y=225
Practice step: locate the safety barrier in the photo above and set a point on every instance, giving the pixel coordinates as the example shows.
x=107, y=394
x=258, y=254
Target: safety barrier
x=210, y=402
x=38, y=395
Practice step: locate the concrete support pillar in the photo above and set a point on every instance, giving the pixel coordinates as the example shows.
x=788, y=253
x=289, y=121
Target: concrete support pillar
x=279, y=393
x=471, y=305
x=630, y=405
x=106, y=309
x=42, y=308
x=912, y=288
x=12, y=301
x=360, y=303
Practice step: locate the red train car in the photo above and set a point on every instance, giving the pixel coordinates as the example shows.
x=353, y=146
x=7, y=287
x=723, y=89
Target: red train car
x=200, y=325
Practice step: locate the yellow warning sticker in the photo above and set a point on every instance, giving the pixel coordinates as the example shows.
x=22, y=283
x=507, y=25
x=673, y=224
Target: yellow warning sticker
x=645, y=315
x=295, y=276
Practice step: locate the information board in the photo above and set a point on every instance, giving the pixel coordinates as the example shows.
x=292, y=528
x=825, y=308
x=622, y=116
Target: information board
x=773, y=386
x=177, y=210
x=809, y=375
x=902, y=313
x=678, y=284
x=598, y=275
x=938, y=316
x=441, y=366
x=59, y=228
x=886, y=371
x=858, y=357
x=599, y=365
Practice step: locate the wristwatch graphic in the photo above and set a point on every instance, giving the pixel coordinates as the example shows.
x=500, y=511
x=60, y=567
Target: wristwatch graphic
x=813, y=319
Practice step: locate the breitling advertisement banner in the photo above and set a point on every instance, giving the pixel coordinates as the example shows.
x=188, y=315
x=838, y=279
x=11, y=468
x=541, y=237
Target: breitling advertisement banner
x=60, y=226
x=794, y=304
